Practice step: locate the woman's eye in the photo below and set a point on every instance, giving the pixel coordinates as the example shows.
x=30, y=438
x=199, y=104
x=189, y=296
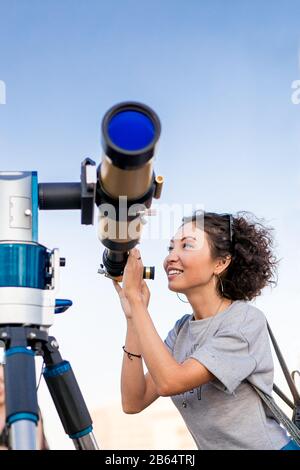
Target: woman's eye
x=169, y=248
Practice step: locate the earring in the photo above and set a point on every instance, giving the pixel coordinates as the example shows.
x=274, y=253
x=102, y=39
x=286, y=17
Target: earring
x=220, y=280
x=185, y=301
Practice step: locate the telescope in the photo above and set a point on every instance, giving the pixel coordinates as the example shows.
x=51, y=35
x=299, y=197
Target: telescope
x=122, y=189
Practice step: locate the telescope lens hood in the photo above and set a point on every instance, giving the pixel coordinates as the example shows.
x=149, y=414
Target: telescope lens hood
x=130, y=132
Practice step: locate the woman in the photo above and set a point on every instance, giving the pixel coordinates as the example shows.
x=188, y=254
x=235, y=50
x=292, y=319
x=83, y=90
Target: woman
x=211, y=356
x=41, y=439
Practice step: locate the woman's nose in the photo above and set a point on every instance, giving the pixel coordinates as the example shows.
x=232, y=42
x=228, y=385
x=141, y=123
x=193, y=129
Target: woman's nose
x=172, y=255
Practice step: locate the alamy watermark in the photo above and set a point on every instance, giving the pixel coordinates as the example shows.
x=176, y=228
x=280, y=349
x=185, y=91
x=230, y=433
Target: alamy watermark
x=2, y=92
x=123, y=222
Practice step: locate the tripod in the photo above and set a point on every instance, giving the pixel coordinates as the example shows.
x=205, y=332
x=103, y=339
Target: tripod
x=21, y=403
x=29, y=280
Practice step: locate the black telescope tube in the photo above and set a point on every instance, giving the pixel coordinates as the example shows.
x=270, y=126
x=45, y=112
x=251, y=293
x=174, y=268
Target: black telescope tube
x=55, y=196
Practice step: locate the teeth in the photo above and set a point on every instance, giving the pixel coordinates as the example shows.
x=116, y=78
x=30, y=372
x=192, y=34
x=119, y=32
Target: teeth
x=173, y=271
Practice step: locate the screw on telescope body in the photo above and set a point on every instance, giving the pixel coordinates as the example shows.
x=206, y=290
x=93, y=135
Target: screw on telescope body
x=158, y=186
x=101, y=270
x=54, y=343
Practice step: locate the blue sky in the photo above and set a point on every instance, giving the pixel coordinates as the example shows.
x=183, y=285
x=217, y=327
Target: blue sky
x=219, y=75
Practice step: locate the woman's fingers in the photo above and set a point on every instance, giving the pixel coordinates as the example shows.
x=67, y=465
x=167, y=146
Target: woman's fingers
x=145, y=286
x=116, y=286
x=134, y=252
x=145, y=289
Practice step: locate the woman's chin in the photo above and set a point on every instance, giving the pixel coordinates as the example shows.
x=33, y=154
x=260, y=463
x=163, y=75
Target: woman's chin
x=173, y=288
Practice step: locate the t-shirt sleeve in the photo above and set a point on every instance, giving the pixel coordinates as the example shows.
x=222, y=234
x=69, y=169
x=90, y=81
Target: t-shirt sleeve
x=173, y=333
x=226, y=356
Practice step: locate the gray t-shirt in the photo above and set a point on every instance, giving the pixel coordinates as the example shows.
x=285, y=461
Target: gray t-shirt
x=227, y=413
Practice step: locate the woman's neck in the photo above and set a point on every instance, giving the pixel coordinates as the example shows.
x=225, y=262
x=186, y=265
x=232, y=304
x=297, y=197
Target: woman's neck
x=207, y=303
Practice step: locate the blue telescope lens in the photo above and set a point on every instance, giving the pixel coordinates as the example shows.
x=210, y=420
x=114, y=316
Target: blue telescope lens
x=131, y=130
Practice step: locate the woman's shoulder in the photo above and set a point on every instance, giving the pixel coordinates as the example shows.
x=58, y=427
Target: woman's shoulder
x=244, y=316
x=181, y=321
x=173, y=333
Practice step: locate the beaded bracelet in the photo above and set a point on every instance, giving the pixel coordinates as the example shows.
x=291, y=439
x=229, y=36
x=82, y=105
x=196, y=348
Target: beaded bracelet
x=129, y=354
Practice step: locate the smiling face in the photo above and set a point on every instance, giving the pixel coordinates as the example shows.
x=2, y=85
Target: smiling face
x=189, y=252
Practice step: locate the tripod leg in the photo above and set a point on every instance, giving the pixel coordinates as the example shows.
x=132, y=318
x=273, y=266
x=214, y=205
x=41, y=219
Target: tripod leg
x=20, y=390
x=67, y=398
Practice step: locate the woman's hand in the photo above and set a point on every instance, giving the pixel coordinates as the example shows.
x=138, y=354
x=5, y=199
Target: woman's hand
x=133, y=285
x=125, y=303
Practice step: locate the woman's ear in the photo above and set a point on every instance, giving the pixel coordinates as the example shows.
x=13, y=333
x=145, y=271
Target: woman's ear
x=222, y=264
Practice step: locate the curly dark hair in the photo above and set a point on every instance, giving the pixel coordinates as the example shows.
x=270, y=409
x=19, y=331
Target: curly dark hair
x=253, y=264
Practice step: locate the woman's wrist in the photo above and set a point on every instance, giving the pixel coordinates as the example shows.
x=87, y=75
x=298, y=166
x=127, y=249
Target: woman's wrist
x=131, y=354
x=130, y=322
